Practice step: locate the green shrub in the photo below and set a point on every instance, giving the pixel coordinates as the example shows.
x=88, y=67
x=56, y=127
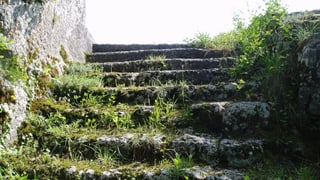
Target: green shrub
x=264, y=44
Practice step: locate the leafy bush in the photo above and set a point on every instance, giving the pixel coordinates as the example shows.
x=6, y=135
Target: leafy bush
x=265, y=44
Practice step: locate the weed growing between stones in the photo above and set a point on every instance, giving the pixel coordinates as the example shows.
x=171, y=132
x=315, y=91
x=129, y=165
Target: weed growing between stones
x=159, y=58
x=224, y=41
x=177, y=169
x=162, y=112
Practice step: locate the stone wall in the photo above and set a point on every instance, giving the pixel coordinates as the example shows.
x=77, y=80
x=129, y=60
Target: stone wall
x=46, y=34
x=42, y=32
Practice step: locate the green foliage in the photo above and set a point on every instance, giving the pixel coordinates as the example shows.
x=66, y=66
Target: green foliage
x=10, y=65
x=63, y=52
x=223, y=41
x=162, y=111
x=10, y=173
x=265, y=44
x=78, y=78
x=156, y=58
x=178, y=168
x=117, y=119
x=267, y=53
x=159, y=58
x=307, y=173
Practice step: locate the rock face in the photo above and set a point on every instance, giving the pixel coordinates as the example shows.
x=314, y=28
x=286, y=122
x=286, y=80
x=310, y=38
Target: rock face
x=47, y=33
x=309, y=93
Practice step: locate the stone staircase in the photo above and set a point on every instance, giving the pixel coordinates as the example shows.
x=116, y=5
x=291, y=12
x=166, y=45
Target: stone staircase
x=171, y=104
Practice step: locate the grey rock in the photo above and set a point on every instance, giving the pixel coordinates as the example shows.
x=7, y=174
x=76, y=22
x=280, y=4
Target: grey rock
x=242, y=115
x=71, y=171
x=231, y=87
x=42, y=29
x=112, y=173
x=314, y=106
x=89, y=174
x=142, y=112
x=240, y=153
x=227, y=175
x=16, y=111
x=198, y=172
x=203, y=147
x=309, y=100
x=112, y=140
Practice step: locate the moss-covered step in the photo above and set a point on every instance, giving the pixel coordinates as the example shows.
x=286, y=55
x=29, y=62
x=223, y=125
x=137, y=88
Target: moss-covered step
x=203, y=76
x=146, y=146
x=177, y=93
x=132, y=47
x=143, y=54
x=150, y=172
x=89, y=114
x=42, y=165
x=167, y=64
x=232, y=118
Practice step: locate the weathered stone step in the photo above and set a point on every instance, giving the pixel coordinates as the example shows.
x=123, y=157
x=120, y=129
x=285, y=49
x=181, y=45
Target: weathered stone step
x=143, y=54
x=104, y=115
x=197, y=77
x=138, y=170
x=232, y=118
x=151, y=146
x=179, y=93
x=167, y=64
x=132, y=47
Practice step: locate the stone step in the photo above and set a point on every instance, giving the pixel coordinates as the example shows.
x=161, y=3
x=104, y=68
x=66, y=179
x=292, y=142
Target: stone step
x=178, y=93
x=121, y=56
x=196, y=77
x=153, y=146
x=138, y=170
x=232, y=118
x=167, y=64
x=228, y=119
x=101, y=116
x=132, y=47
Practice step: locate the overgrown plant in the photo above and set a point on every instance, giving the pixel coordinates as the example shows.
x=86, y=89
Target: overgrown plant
x=78, y=79
x=159, y=58
x=178, y=169
x=223, y=41
x=162, y=111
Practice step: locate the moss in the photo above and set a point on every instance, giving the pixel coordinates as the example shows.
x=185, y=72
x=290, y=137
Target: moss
x=48, y=106
x=29, y=163
x=7, y=95
x=4, y=122
x=33, y=55
x=64, y=55
x=44, y=81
